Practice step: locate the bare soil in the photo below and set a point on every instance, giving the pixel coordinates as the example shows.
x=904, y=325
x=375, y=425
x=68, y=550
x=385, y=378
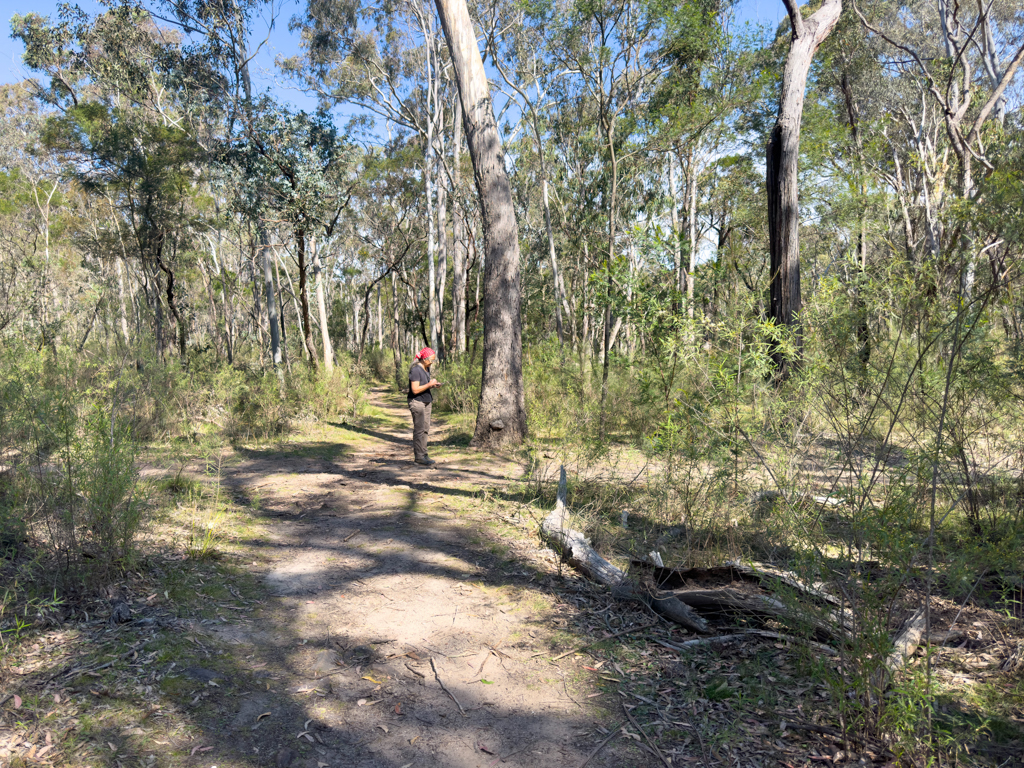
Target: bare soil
x=395, y=632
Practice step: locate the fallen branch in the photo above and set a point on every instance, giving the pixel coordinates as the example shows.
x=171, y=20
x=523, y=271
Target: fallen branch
x=576, y=550
x=907, y=641
x=647, y=738
x=762, y=572
x=764, y=605
x=903, y=648
x=445, y=688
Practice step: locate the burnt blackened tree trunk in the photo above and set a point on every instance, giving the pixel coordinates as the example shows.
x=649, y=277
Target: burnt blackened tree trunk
x=783, y=154
x=501, y=419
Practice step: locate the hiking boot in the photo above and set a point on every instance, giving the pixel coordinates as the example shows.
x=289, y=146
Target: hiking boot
x=426, y=461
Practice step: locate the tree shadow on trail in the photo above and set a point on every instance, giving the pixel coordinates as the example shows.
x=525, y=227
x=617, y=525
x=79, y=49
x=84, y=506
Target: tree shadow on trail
x=261, y=464
x=376, y=589
x=240, y=682
x=387, y=437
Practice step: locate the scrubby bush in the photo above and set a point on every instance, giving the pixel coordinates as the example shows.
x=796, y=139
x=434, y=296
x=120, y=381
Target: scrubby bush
x=70, y=481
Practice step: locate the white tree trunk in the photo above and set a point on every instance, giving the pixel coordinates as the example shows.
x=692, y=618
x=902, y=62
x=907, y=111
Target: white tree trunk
x=321, y=305
x=459, y=260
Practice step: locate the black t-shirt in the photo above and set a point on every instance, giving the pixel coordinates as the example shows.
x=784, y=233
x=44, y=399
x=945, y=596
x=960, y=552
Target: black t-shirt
x=418, y=374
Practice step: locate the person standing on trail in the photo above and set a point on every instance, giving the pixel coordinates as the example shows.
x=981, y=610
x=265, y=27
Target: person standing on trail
x=420, y=399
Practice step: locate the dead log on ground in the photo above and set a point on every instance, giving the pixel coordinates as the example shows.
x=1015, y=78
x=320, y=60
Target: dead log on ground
x=760, y=605
x=834, y=622
x=907, y=641
x=903, y=648
x=576, y=550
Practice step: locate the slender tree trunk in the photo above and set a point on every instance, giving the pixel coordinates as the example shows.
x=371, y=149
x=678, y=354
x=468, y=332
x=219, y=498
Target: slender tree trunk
x=783, y=155
x=276, y=284
x=396, y=341
x=691, y=215
x=501, y=419
x=610, y=257
x=307, y=325
x=321, y=305
x=120, y=295
x=274, y=323
x=458, y=340
x=428, y=176
x=380, y=320
x=443, y=243
x=257, y=316
x=677, y=252
x=556, y=278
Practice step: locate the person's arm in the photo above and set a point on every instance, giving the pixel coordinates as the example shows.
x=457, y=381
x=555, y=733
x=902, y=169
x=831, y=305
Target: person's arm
x=418, y=388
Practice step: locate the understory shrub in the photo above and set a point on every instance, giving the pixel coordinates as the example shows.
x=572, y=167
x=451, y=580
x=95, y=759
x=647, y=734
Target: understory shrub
x=70, y=479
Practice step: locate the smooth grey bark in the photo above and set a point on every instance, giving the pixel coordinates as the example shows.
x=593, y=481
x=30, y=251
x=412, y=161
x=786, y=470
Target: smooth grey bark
x=691, y=216
x=459, y=249
x=501, y=419
x=123, y=315
x=443, y=247
x=677, y=251
x=396, y=340
x=380, y=321
x=321, y=305
x=783, y=155
x=429, y=183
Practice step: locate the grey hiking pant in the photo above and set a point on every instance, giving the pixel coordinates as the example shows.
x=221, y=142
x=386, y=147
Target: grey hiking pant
x=420, y=427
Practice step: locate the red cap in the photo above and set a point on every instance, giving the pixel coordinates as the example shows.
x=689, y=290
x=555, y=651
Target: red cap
x=424, y=353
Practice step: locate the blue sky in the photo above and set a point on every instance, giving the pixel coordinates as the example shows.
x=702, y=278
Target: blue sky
x=280, y=41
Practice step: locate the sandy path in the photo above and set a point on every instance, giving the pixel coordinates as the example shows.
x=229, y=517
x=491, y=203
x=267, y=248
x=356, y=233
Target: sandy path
x=385, y=580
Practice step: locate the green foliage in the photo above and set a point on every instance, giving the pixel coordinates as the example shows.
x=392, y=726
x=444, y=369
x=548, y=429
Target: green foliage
x=72, y=450
x=460, y=385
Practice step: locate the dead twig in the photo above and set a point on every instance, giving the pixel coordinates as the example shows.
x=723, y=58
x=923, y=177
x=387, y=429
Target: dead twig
x=716, y=640
x=112, y=662
x=565, y=688
x=414, y=671
x=445, y=688
x=480, y=669
x=610, y=637
x=654, y=747
x=600, y=746
x=836, y=734
x=700, y=738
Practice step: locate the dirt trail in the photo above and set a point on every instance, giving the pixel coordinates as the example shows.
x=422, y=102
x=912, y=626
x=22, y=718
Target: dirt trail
x=385, y=585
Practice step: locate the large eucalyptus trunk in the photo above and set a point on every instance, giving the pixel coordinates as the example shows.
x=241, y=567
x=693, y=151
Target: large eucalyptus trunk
x=501, y=419
x=783, y=154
